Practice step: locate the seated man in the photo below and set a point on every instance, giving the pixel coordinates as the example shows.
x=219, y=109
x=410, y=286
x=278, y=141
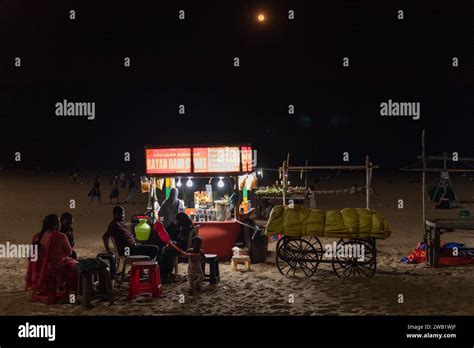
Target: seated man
x=124, y=238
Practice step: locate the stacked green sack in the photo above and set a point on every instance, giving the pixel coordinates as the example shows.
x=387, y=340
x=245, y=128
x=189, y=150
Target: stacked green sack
x=347, y=223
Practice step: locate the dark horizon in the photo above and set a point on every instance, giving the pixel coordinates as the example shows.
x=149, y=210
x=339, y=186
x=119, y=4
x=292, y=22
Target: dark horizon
x=190, y=62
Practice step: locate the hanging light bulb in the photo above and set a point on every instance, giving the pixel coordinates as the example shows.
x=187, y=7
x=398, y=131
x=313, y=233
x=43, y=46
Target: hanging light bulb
x=221, y=182
x=179, y=184
x=189, y=183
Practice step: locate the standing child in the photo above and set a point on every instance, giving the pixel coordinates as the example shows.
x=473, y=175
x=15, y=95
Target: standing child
x=195, y=259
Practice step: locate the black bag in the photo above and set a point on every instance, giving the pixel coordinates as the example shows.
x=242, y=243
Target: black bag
x=88, y=265
x=258, y=250
x=256, y=241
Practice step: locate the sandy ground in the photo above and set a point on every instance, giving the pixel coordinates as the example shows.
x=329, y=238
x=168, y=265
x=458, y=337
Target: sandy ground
x=25, y=198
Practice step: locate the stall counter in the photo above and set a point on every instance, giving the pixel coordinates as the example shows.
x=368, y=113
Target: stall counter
x=219, y=237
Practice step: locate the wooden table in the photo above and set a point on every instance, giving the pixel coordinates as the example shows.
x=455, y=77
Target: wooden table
x=433, y=231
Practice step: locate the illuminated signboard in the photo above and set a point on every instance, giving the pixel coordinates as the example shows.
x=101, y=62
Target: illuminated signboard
x=199, y=160
x=246, y=158
x=216, y=159
x=168, y=161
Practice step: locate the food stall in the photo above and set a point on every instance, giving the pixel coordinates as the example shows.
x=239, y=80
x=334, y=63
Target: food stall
x=213, y=181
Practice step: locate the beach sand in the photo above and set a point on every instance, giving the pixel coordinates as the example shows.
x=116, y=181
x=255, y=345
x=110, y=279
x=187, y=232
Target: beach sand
x=25, y=198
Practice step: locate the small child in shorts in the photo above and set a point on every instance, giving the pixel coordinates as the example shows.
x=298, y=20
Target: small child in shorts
x=195, y=259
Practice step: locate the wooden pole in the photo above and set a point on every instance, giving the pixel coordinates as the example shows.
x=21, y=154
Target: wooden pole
x=306, y=185
x=237, y=191
x=423, y=179
x=299, y=168
x=283, y=181
x=437, y=170
x=150, y=193
x=285, y=177
x=367, y=183
x=286, y=171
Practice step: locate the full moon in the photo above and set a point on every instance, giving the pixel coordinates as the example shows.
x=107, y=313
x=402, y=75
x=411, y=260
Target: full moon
x=261, y=17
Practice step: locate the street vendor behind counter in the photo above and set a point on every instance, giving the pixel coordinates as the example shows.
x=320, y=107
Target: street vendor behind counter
x=217, y=214
x=169, y=208
x=220, y=219
x=205, y=209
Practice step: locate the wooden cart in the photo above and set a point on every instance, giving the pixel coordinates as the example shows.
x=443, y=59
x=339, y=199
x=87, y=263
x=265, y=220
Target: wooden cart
x=301, y=256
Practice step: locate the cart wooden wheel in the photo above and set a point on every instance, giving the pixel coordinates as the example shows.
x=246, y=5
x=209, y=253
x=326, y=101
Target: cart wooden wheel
x=349, y=263
x=297, y=257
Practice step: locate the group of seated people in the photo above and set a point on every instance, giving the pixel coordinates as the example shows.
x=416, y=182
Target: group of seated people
x=56, y=261
x=56, y=257
x=154, y=248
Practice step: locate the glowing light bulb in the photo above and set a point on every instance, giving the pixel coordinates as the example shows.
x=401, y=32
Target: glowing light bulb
x=189, y=183
x=261, y=18
x=220, y=183
x=179, y=184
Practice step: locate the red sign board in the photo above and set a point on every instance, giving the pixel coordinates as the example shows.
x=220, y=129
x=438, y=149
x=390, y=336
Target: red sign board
x=216, y=159
x=199, y=160
x=168, y=161
x=246, y=158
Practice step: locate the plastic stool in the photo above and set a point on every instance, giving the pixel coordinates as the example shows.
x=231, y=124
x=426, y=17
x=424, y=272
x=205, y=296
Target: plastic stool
x=130, y=260
x=112, y=259
x=152, y=286
x=213, y=276
x=87, y=290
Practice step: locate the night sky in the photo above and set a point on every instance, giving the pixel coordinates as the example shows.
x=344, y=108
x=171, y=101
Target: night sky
x=190, y=62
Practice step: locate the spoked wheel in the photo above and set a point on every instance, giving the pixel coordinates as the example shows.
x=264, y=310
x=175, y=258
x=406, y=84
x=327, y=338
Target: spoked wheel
x=298, y=257
x=355, y=258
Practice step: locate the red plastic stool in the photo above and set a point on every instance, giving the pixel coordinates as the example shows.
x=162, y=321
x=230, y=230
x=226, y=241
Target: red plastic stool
x=152, y=286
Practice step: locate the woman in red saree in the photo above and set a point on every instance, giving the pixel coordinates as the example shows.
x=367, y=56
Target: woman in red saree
x=54, y=264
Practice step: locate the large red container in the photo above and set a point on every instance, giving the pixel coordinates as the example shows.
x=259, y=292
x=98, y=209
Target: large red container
x=219, y=237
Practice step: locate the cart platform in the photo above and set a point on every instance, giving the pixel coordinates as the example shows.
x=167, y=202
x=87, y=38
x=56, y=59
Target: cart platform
x=433, y=231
